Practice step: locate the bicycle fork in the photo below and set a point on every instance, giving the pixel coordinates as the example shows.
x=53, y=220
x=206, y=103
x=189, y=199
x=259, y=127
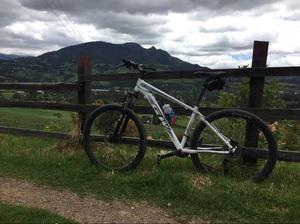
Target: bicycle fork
x=123, y=119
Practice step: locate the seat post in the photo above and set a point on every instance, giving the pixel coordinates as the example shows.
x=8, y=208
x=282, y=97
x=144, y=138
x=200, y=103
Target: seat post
x=143, y=74
x=201, y=95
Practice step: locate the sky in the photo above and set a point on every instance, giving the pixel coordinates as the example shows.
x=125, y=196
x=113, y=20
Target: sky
x=212, y=33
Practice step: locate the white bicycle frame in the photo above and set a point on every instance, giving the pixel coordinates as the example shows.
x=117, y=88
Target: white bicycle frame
x=148, y=90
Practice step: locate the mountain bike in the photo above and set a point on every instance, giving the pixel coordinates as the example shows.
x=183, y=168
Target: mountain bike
x=114, y=136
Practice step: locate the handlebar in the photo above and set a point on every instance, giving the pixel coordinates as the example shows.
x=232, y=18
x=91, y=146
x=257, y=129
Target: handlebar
x=139, y=67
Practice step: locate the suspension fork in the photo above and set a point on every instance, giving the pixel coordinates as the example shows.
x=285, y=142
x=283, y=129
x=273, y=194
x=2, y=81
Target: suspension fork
x=124, y=120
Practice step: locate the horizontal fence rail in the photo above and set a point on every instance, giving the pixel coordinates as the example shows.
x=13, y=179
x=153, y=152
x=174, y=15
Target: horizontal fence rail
x=283, y=155
x=236, y=72
x=41, y=86
x=266, y=114
x=45, y=105
x=33, y=133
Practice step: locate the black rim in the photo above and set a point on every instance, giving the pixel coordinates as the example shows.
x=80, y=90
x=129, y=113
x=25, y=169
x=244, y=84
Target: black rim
x=115, y=139
x=240, y=163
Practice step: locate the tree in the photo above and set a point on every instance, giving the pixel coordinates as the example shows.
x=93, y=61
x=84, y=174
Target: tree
x=238, y=96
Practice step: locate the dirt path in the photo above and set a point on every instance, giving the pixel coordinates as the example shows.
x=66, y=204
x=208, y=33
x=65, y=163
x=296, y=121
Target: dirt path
x=81, y=209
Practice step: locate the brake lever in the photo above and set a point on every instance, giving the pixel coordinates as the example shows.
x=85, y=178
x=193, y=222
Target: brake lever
x=139, y=67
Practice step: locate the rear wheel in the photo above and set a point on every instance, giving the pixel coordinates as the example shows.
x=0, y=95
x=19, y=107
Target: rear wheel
x=251, y=160
x=114, y=138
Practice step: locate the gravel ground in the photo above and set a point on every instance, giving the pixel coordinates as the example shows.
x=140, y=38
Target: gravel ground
x=80, y=209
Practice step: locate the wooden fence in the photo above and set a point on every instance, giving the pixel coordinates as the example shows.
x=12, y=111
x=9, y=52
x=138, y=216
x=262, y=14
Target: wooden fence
x=83, y=88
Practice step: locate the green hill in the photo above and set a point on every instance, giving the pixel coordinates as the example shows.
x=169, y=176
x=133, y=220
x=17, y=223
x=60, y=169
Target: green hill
x=61, y=65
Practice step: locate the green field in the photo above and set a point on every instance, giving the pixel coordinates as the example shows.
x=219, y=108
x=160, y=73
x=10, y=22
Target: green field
x=36, y=119
x=175, y=185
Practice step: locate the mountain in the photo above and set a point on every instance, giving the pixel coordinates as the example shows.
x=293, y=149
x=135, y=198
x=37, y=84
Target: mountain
x=61, y=65
x=8, y=56
x=112, y=54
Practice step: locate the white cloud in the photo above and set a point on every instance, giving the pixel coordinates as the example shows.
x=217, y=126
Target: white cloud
x=284, y=60
x=215, y=34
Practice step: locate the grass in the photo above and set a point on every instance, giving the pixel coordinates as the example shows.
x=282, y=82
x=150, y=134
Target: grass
x=175, y=185
x=20, y=214
x=36, y=119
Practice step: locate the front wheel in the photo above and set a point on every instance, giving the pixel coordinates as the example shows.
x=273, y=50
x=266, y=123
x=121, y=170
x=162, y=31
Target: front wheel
x=114, y=138
x=256, y=154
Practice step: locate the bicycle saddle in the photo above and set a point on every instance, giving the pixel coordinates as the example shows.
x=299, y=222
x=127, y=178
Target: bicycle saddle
x=213, y=81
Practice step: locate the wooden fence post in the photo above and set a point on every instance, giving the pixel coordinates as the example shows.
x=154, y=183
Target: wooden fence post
x=85, y=93
x=256, y=90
